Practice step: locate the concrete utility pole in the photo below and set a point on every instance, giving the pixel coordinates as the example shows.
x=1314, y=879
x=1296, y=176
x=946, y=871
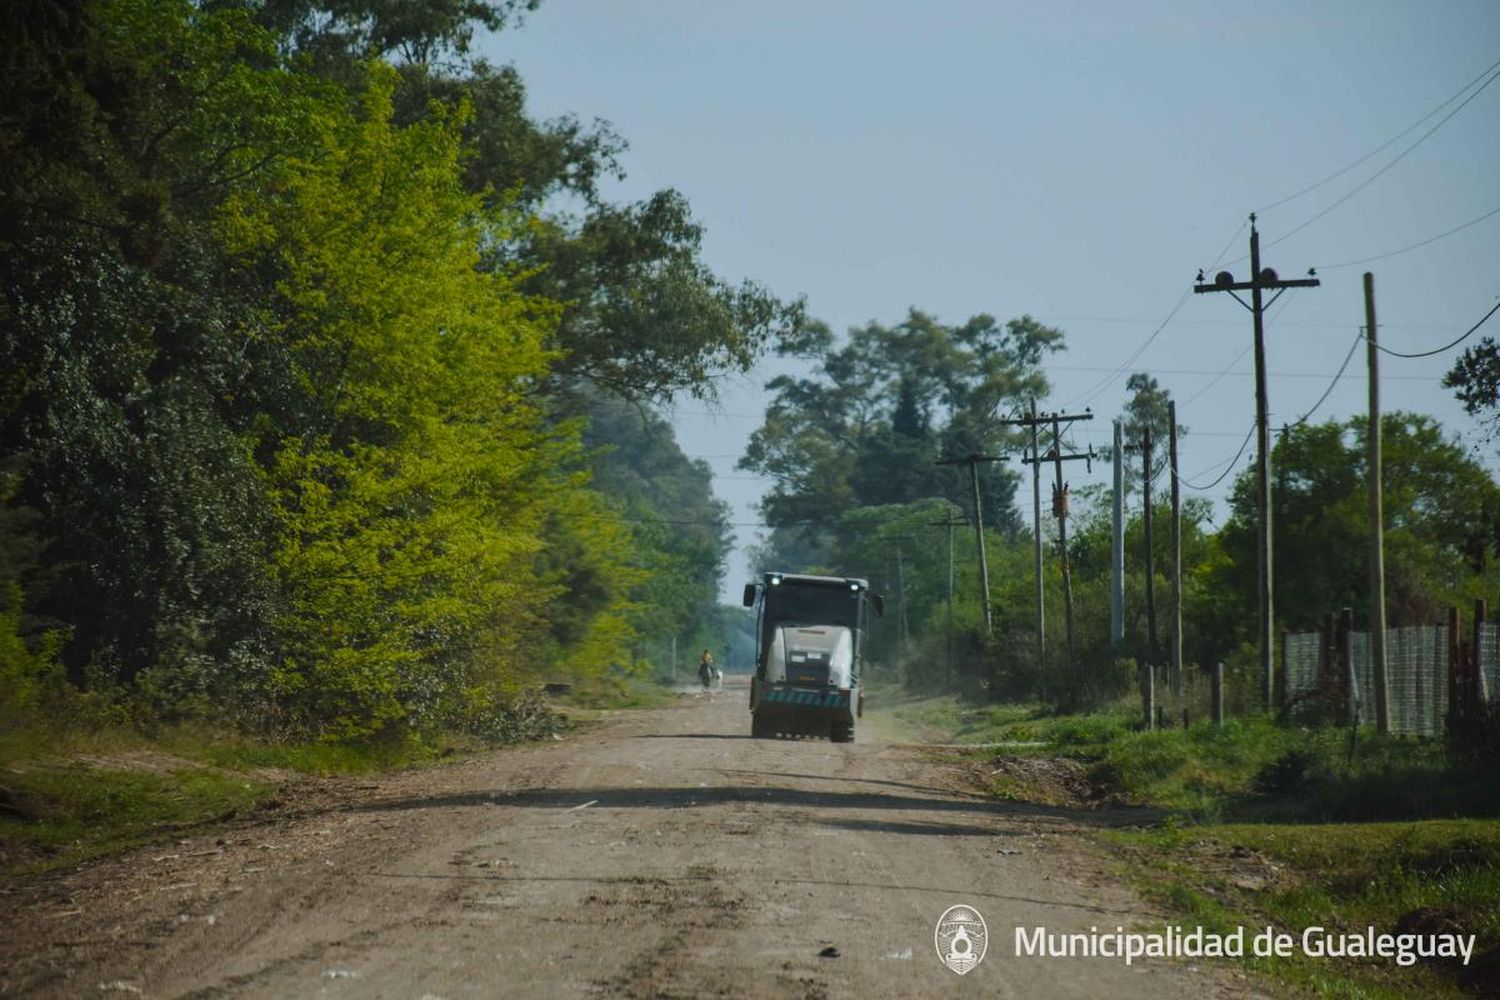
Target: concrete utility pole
x=1034, y=422
x=972, y=461
x=1117, y=554
x=1060, y=510
x=1260, y=281
x=1150, y=547
x=1176, y=639
x=1377, y=521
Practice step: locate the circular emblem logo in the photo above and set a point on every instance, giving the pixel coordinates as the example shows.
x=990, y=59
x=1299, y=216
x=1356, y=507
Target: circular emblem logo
x=961, y=938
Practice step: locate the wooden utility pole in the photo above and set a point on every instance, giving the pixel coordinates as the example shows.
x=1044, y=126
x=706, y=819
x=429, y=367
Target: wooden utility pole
x=1176, y=635
x=950, y=524
x=1034, y=422
x=948, y=674
x=903, y=629
x=972, y=461
x=1377, y=521
x=1036, y=542
x=1117, y=553
x=1260, y=281
x=1150, y=548
x=1060, y=509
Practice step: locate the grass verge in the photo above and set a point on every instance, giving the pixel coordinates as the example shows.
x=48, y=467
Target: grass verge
x=68, y=794
x=1271, y=825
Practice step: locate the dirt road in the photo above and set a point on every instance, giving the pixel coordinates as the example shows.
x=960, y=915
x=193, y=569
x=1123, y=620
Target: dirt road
x=659, y=853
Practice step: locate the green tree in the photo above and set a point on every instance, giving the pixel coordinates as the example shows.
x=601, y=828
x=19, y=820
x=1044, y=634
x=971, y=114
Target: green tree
x=680, y=532
x=867, y=428
x=1441, y=508
x=1146, y=409
x=1475, y=380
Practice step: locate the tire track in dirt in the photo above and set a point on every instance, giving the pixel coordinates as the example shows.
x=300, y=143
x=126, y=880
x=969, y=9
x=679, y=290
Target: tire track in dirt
x=658, y=853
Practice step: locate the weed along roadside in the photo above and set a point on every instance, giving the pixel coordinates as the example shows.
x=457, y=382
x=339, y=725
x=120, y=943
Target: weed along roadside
x=1377, y=860
x=67, y=796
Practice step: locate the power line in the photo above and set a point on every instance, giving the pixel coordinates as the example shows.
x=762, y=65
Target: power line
x=1105, y=382
x=1414, y=246
x=1089, y=395
x=1215, y=380
x=1235, y=374
x=1450, y=344
x=1391, y=163
x=1238, y=358
x=1232, y=461
x=1229, y=243
x=1383, y=146
x=1338, y=375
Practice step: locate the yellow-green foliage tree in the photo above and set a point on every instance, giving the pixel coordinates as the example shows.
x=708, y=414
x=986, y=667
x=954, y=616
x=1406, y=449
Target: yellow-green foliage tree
x=410, y=498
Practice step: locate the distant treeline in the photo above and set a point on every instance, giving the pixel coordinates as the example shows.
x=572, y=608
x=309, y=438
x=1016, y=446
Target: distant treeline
x=853, y=450
x=318, y=416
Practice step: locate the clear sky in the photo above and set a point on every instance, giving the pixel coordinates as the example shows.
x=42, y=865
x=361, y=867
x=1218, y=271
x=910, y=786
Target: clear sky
x=1075, y=161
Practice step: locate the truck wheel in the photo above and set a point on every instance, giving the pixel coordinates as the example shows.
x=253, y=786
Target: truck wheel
x=843, y=732
x=758, y=729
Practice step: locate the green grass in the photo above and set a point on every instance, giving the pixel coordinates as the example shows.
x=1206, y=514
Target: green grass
x=72, y=793
x=621, y=692
x=62, y=815
x=1346, y=876
x=950, y=719
x=1332, y=831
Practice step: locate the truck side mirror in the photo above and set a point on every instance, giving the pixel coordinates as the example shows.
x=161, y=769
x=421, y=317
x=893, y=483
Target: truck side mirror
x=878, y=603
x=749, y=598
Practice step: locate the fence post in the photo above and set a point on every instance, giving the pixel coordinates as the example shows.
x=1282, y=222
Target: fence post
x=1280, y=692
x=1218, y=694
x=1328, y=657
x=1148, y=695
x=1478, y=693
x=1455, y=666
x=1345, y=646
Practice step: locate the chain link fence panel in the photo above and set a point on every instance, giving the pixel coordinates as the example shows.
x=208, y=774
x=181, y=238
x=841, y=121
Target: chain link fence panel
x=1416, y=659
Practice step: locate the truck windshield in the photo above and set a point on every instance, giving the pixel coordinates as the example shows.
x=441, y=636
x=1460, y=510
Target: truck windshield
x=791, y=604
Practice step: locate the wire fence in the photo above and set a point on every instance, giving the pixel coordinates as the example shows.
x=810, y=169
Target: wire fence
x=1417, y=674
x=1488, y=657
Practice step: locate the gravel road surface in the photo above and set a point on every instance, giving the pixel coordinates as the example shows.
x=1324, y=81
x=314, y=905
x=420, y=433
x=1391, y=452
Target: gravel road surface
x=658, y=853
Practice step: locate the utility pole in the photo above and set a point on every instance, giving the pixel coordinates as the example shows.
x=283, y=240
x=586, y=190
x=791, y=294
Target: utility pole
x=1150, y=548
x=1060, y=509
x=1036, y=531
x=1176, y=639
x=950, y=524
x=1377, y=521
x=1034, y=422
x=1117, y=554
x=1260, y=281
x=903, y=629
x=972, y=461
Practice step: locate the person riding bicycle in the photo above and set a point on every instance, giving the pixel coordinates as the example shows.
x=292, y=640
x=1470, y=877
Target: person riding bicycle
x=706, y=668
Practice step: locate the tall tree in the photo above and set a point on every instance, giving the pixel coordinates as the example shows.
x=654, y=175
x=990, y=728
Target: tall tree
x=867, y=428
x=1441, y=510
x=1146, y=409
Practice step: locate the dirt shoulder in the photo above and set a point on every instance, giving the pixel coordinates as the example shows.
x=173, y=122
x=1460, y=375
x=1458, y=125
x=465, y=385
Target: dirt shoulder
x=659, y=853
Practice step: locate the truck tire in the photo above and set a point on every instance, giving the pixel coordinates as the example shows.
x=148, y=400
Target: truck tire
x=843, y=732
x=758, y=729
